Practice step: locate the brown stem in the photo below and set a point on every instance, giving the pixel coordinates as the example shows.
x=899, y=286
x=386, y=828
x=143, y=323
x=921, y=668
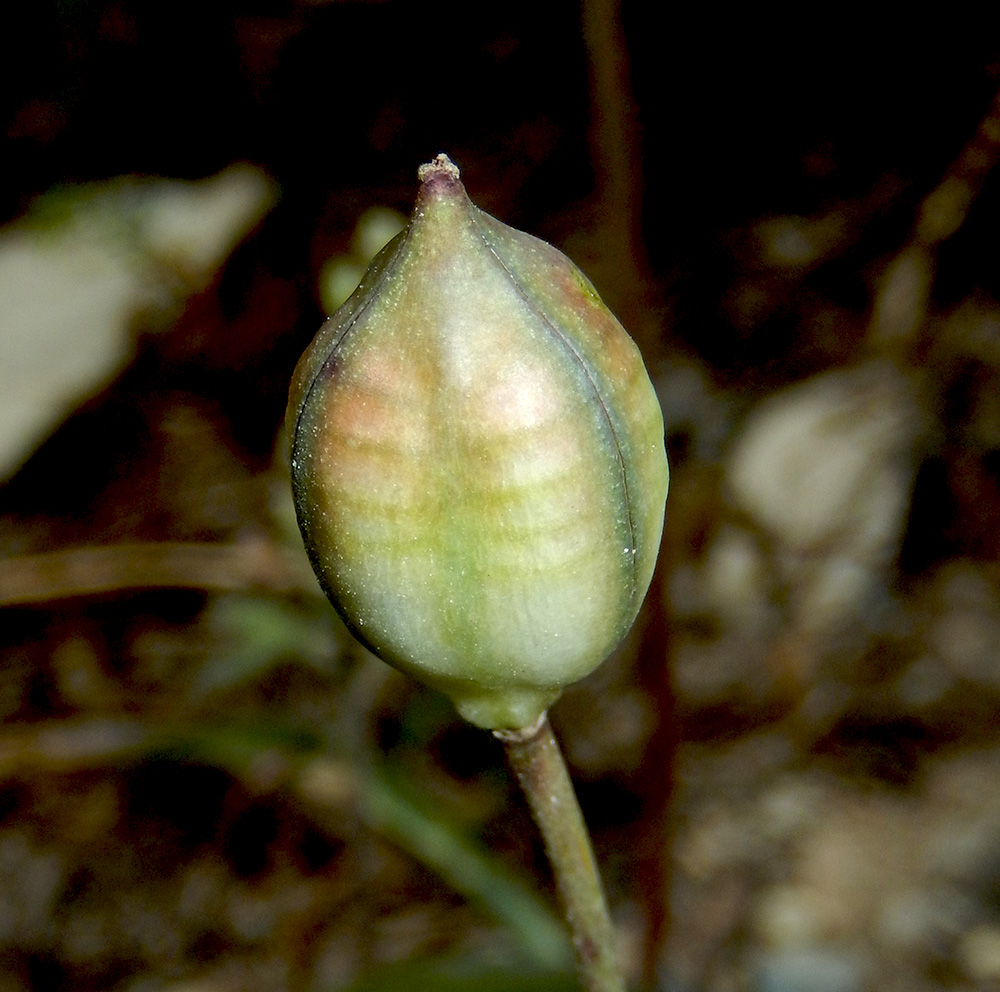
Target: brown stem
x=538, y=763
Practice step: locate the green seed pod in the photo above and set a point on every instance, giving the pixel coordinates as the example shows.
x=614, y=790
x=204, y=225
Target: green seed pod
x=478, y=462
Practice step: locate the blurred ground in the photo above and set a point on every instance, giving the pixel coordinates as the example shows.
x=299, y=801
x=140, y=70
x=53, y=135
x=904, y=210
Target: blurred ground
x=790, y=768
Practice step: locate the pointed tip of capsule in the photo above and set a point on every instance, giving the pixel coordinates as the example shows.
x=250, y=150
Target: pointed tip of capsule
x=441, y=168
x=439, y=176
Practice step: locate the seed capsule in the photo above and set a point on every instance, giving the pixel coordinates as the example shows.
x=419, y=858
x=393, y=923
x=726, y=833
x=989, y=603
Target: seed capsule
x=478, y=462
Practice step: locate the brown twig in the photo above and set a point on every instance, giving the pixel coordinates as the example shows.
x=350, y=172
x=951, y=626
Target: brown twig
x=614, y=136
x=902, y=297
x=69, y=745
x=100, y=569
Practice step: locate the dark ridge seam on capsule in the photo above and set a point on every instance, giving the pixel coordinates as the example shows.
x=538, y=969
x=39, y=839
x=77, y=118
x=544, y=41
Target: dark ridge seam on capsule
x=324, y=371
x=593, y=384
x=303, y=516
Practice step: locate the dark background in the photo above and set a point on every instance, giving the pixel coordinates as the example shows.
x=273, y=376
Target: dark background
x=659, y=188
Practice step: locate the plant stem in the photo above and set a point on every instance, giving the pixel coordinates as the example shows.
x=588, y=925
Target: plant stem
x=534, y=755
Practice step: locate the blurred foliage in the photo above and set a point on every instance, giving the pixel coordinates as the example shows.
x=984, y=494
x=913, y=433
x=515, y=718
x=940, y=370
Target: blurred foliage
x=460, y=976
x=255, y=635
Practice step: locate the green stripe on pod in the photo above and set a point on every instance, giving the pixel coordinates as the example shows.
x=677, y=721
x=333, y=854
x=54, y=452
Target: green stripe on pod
x=478, y=461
